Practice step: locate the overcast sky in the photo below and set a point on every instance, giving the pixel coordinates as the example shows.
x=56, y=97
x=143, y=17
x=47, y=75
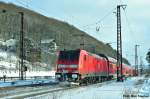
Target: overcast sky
x=83, y=13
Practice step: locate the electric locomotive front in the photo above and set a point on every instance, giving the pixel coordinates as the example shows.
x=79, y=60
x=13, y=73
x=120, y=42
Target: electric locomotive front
x=67, y=65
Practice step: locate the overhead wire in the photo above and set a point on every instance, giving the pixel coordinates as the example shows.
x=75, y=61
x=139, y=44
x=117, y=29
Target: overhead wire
x=121, y=2
x=88, y=26
x=99, y=21
x=71, y=17
x=132, y=34
x=28, y=6
x=127, y=21
x=84, y=27
x=129, y=25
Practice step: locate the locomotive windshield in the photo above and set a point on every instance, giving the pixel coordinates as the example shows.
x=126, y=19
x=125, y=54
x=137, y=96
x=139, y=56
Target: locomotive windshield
x=69, y=55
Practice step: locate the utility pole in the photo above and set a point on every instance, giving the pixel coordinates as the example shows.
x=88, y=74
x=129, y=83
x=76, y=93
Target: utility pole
x=141, y=65
x=21, y=70
x=136, y=60
x=82, y=44
x=119, y=44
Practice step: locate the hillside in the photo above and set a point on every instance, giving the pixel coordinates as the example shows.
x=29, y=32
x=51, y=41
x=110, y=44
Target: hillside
x=45, y=36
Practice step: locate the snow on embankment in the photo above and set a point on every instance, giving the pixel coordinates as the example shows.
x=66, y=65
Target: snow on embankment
x=9, y=62
x=8, y=59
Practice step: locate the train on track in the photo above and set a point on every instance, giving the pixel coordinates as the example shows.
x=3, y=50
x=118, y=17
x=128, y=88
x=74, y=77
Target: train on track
x=80, y=66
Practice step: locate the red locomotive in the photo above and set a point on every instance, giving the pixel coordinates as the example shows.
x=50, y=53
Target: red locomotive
x=84, y=67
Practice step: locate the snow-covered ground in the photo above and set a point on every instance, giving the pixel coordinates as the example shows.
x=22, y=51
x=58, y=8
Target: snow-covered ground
x=145, y=89
x=28, y=73
x=15, y=82
x=8, y=57
x=28, y=82
x=114, y=90
x=9, y=66
x=9, y=62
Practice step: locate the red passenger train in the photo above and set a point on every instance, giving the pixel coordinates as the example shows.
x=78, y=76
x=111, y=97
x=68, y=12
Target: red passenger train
x=84, y=67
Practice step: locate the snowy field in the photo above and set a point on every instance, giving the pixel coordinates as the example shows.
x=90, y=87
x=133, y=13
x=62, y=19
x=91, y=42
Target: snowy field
x=114, y=90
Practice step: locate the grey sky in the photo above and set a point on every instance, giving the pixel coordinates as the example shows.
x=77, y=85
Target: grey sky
x=83, y=12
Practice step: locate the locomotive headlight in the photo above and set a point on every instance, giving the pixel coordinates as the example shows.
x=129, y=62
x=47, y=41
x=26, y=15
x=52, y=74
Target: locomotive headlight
x=58, y=76
x=74, y=76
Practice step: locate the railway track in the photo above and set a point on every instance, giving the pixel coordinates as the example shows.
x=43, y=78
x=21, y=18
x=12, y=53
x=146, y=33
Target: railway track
x=33, y=93
x=12, y=91
x=27, y=92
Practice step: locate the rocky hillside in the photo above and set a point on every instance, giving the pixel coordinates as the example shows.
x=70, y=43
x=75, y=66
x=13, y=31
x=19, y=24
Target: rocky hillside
x=45, y=36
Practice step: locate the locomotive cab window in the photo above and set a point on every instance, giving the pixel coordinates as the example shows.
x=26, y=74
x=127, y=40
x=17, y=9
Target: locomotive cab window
x=69, y=55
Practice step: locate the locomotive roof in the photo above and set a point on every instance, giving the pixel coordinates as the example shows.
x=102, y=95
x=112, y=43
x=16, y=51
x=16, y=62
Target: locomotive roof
x=96, y=56
x=101, y=56
x=112, y=59
x=70, y=50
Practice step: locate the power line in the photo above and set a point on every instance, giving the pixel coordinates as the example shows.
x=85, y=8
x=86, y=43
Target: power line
x=121, y=2
x=128, y=22
x=39, y=8
x=95, y=23
x=71, y=17
x=129, y=25
x=99, y=21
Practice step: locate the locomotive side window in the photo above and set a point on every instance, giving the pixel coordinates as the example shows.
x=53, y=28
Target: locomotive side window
x=110, y=65
x=84, y=57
